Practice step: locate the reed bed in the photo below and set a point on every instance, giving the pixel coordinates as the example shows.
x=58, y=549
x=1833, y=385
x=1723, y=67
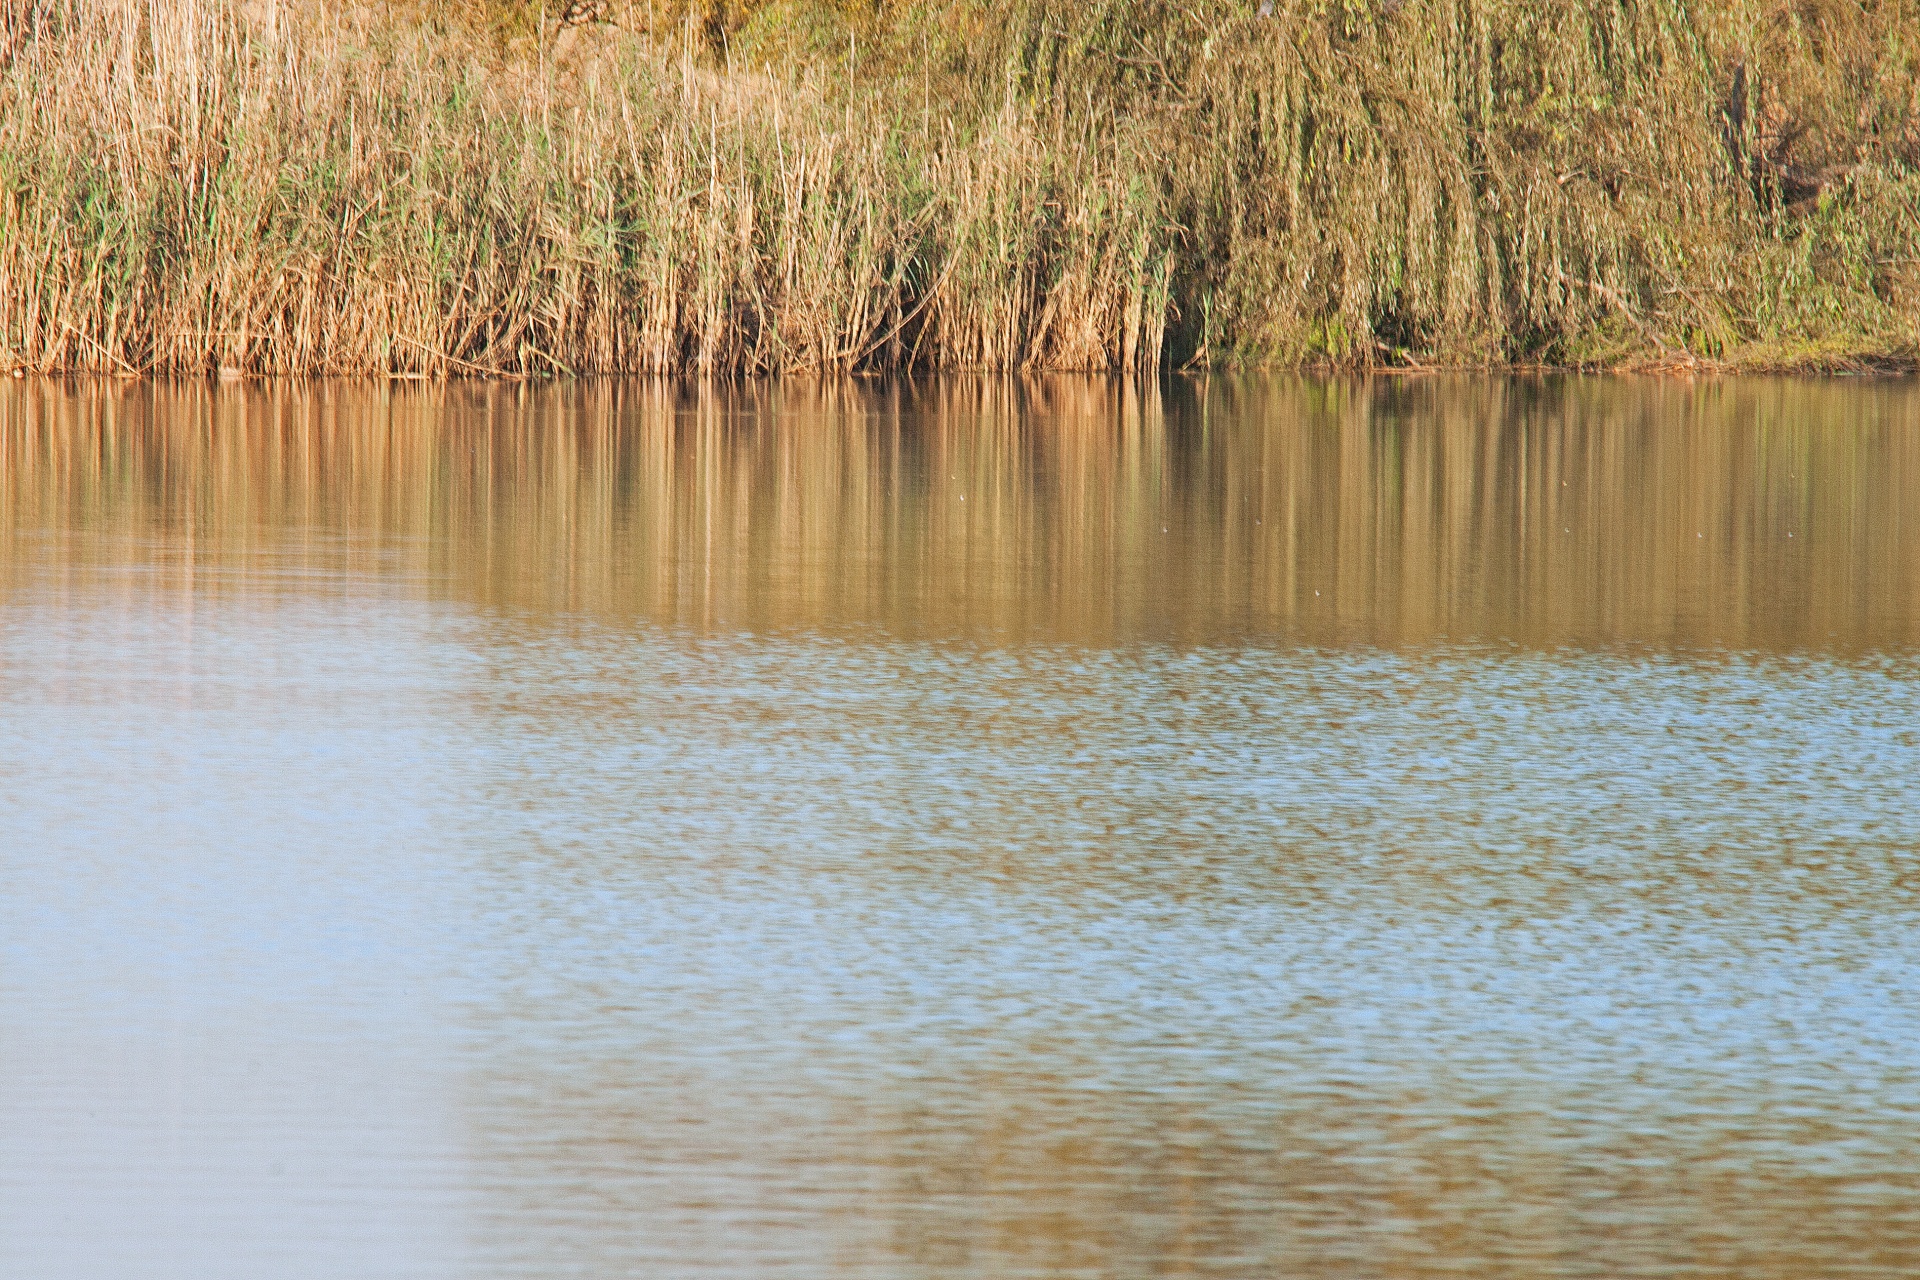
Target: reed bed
x=192, y=186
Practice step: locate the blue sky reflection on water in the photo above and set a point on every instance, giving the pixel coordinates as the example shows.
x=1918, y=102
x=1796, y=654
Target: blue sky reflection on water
x=367, y=914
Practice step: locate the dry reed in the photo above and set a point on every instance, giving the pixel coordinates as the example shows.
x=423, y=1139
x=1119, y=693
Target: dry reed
x=280, y=187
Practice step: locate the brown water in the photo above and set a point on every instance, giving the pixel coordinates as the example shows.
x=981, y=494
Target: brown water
x=1232, y=828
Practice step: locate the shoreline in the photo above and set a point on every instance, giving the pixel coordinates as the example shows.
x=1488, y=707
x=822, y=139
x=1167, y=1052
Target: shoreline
x=1880, y=369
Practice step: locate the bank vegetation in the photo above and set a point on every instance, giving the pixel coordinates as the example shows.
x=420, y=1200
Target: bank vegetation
x=462, y=187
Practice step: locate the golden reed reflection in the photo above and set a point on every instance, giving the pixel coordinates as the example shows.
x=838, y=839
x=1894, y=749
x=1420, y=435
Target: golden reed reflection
x=1746, y=513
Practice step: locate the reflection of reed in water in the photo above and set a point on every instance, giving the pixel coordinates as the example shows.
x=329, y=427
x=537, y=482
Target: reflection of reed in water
x=1414, y=1188
x=1761, y=514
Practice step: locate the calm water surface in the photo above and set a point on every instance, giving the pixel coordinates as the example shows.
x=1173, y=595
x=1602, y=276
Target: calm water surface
x=1243, y=829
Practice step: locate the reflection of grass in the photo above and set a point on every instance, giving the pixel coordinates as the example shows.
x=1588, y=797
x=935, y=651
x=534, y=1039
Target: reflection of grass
x=469, y=186
x=1753, y=512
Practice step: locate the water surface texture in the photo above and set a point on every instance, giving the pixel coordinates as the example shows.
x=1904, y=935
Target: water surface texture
x=1455, y=827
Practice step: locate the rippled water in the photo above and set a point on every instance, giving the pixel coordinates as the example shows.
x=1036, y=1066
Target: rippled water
x=1248, y=828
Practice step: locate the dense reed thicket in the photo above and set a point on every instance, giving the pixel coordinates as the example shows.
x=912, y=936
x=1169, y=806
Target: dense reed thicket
x=502, y=187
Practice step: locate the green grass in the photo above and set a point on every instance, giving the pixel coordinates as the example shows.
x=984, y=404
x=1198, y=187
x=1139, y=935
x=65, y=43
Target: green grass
x=463, y=187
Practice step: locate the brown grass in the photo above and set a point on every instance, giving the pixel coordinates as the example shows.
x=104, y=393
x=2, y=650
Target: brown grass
x=463, y=188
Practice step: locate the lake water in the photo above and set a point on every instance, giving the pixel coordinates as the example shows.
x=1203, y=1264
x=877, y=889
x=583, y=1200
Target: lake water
x=1230, y=828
